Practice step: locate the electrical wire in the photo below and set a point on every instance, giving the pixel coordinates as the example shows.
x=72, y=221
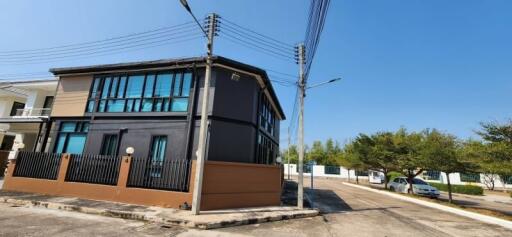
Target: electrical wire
x=96, y=41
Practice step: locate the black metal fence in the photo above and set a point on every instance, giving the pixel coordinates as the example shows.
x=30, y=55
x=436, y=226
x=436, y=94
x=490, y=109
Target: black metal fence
x=37, y=165
x=331, y=170
x=305, y=168
x=170, y=175
x=95, y=169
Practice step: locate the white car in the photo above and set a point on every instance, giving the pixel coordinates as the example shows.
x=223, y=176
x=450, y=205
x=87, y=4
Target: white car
x=419, y=187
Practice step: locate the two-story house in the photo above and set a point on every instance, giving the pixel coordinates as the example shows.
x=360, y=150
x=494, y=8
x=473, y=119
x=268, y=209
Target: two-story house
x=154, y=107
x=25, y=107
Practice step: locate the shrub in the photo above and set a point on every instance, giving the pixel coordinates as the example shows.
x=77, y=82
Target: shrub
x=393, y=174
x=464, y=189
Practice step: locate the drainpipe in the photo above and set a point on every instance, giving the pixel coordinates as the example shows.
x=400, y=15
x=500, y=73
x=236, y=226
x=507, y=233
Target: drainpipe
x=120, y=136
x=191, y=115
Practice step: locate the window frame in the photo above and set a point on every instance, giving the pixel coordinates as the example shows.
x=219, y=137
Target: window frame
x=159, y=104
x=14, y=109
x=115, y=148
x=79, y=129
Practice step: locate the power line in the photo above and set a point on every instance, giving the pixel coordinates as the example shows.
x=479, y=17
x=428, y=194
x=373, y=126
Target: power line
x=96, y=41
x=259, y=34
x=256, y=47
x=109, y=52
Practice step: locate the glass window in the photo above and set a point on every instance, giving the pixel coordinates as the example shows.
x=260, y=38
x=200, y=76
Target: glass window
x=76, y=143
x=109, y=145
x=113, y=89
x=71, y=137
x=68, y=127
x=163, y=85
x=15, y=107
x=106, y=87
x=177, y=85
x=134, y=86
x=115, y=106
x=158, y=147
x=122, y=85
x=61, y=140
x=162, y=92
x=179, y=105
x=150, y=84
x=187, y=83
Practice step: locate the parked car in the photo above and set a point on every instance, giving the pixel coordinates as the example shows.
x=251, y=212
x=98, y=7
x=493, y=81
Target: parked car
x=419, y=187
x=376, y=177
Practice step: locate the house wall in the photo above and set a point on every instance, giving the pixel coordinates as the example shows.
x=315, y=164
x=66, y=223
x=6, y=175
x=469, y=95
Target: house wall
x=138, y=135
x=71, y=97
x=233, y=114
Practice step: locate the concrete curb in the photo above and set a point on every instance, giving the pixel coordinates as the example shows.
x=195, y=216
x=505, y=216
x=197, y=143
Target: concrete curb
x=167, y=217
x=468, y=214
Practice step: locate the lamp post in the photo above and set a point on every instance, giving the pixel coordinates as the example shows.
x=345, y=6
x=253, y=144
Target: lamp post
x=201, y=149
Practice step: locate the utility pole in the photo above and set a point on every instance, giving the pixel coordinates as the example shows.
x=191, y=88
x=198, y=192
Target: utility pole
x=302, y=90
x=288, y=153
x=201, y=149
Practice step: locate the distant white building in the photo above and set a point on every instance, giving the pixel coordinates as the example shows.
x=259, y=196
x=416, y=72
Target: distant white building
x=378, y=177
x=24, y=110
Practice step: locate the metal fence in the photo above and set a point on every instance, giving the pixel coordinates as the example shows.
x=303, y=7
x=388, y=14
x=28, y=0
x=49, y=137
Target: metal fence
x=331, y=170
x=95, y=169
x=170, y=175
x=37, y=165
x=305, y=168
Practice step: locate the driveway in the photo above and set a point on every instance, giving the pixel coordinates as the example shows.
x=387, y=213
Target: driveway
x=347, y=211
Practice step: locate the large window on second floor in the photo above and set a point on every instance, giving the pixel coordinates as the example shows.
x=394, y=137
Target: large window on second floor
x=151, y=92
x=267, y=116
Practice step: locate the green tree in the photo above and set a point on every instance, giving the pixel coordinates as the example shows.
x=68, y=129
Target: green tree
x=349, y=159
x=407, y=148
x=375, y=152
x=443, y=153
x=495, y=154
x=293, y=154
x=317, y=153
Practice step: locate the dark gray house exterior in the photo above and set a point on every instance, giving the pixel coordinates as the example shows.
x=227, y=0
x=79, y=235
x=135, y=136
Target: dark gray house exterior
x=154, y=107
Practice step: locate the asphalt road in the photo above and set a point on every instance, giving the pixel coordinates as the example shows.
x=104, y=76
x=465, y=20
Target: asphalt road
x=347, y=211
x=350, y=211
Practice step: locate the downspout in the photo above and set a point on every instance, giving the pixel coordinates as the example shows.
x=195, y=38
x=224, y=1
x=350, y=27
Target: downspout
x=191, y=115
x=258, y=108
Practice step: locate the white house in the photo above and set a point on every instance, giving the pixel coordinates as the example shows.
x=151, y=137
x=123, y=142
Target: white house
x=24, y=110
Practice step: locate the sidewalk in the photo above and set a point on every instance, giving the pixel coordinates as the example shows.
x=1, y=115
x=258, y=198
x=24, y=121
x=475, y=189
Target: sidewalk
x=165, y=216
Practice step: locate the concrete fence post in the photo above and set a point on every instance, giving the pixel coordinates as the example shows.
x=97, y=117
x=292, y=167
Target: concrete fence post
x=63, y=169
x=124, y=170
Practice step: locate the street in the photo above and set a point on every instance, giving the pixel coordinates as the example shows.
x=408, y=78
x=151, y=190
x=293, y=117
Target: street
x=347, y=211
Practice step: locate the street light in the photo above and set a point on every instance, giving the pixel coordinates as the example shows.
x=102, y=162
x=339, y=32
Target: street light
x=201, y=147
x=323, y=83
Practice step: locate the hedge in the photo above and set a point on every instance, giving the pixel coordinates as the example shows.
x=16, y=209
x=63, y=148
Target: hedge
x=464, y=189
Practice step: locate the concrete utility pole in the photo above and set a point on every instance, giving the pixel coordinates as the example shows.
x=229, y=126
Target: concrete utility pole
x=288, y=153
x=302, y=90
x=201, y=149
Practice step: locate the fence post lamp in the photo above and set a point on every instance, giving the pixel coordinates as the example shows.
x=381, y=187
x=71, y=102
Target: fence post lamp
x=130, y=150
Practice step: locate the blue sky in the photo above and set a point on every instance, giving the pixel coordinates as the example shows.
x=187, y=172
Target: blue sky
x=419, y=64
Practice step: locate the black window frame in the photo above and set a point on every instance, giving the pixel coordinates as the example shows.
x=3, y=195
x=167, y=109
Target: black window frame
x=79, y=129
x=115, y=143
x=97, y=103
x=15, y=106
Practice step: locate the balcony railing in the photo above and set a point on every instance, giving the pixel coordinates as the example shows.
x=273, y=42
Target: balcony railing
x=33, y=112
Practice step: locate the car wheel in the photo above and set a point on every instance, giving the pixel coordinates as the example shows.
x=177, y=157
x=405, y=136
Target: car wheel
x=392, y=189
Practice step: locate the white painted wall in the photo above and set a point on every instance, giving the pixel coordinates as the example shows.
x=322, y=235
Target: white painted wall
x=318, y=170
